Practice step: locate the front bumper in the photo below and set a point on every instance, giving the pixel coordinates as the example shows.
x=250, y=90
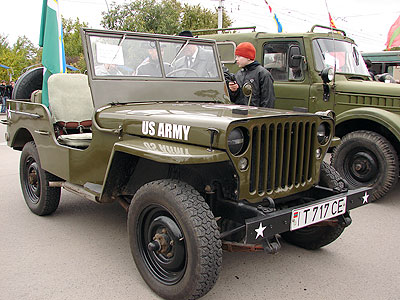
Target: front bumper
x=261, y=227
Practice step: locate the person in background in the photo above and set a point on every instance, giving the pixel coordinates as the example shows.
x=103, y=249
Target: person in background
x=9, y=89
x=252, y=72
x=151, y=65
x=372, y=73
x=3, y=96
x=195, y=62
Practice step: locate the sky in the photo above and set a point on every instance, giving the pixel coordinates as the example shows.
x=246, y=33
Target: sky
x=366, y=21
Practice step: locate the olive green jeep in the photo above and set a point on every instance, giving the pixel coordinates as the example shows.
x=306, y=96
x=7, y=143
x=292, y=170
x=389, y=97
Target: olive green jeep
x=367, y=112
x=195, y=173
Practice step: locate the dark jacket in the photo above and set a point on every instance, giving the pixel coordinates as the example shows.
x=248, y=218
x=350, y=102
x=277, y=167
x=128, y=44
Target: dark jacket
x=262, y=83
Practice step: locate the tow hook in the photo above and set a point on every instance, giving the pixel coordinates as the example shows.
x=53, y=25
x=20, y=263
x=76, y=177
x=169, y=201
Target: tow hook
x=271, y=245
x=345, y=219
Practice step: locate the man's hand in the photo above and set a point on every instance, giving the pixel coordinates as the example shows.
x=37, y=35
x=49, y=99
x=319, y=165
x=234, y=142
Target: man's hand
x=233, y=86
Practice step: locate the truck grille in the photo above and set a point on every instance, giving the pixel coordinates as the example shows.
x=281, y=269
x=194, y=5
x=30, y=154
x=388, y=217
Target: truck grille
x=282, y=156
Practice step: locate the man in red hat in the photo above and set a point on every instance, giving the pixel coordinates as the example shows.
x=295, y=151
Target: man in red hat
x=252, y=72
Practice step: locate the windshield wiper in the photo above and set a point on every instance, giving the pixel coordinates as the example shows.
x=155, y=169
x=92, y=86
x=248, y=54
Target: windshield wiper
x=180, y=51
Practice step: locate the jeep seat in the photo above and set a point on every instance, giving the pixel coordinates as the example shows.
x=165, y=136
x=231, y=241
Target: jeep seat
x=71, y=106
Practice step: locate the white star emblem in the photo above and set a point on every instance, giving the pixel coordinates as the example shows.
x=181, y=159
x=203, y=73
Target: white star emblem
x=8, y=114
x=260, y=230
x=365, y=198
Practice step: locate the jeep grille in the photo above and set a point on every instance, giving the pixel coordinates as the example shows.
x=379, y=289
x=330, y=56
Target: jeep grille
x=282, y=156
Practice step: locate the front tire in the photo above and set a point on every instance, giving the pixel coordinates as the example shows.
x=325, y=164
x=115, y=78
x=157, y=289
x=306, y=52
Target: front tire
x=40, y=198
x=365, y=158
x=316, y=236
x=174, y=240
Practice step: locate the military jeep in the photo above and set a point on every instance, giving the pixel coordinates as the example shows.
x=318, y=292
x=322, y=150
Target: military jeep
x=367, y=112
x=195, y=173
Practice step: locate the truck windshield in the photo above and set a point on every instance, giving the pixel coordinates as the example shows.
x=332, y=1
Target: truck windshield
x=341, y=55
x=128, y=56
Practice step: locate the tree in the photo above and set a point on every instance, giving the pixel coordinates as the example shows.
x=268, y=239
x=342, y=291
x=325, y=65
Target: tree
x=18, y=56
x=165, y=17
x=73, y=43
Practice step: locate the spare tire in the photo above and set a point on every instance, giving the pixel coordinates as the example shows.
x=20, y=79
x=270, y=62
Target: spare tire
x=27, y=83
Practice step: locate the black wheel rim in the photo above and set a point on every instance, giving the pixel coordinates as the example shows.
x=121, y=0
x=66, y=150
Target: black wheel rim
x=162, y=244
x=32, y=180
x=361, y=166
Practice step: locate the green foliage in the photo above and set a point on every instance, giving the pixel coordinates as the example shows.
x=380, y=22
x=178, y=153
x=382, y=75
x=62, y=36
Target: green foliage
x=73, y=43
x=18, y=56
x=196, y=17
x=165, y=17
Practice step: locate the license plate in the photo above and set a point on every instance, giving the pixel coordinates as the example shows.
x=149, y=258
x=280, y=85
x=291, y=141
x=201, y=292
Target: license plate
x=312, y=214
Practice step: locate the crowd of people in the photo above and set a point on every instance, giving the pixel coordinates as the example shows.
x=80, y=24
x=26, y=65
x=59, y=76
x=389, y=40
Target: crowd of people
x=5, y=93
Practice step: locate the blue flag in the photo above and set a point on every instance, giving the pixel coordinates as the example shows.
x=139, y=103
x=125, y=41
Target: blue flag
x=278, y=23
x=51, y=39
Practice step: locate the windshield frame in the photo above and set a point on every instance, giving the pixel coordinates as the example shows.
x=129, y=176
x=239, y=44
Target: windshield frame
x=127, y=67
x=124, y=89
x=341, y=55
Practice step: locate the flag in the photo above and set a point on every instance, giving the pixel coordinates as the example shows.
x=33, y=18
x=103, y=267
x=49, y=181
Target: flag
x=393, y=39
x=332, y=24
x=275, y=17
x=278, y=23
x=51, y=39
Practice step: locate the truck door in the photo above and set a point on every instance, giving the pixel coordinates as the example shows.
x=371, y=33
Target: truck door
x=291, y=81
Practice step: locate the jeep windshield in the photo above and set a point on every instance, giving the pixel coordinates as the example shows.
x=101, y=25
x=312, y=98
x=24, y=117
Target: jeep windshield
x=340, y=55
x=132, y=56
x=132, y=67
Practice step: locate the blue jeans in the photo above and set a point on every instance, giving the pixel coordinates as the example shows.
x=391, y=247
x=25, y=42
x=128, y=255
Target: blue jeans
x=3, y=104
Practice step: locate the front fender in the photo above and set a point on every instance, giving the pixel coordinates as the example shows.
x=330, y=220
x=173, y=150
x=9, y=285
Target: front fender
x=387, y=119
x=169, y=152
x=126, y=154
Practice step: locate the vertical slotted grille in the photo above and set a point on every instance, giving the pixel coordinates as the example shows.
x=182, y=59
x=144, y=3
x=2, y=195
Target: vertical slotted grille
x=282, y=155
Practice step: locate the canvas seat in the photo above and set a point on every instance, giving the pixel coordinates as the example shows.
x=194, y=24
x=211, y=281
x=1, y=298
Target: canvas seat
x=71, y=106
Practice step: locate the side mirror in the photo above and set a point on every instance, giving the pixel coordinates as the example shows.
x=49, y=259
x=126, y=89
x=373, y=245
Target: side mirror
x=327, y=74
x=247, y=90
x=295, y=57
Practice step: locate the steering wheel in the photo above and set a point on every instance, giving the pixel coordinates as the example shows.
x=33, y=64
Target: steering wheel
x=183, y=69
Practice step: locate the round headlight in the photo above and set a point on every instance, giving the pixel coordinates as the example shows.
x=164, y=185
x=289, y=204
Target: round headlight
x=323, y=133
x=236, y=141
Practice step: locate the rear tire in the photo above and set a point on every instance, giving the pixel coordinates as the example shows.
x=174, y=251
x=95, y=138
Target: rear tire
x=365, y=158
x=316, y=236
x=40, y=198
x=174, y=240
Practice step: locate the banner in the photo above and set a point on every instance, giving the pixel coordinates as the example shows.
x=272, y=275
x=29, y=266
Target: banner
x=332, y=24
x=278, y=24
x=393, y=39
x=51, y=39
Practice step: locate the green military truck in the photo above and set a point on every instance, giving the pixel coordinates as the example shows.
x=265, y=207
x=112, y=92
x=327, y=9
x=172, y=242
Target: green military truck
x=195, y=173
x=367, y=113
x=384, y=62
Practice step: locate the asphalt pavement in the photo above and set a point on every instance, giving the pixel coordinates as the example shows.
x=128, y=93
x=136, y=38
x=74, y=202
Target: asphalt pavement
x=82, y=252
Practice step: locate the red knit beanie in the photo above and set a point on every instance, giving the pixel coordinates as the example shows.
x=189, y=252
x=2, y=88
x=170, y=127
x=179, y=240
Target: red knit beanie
x=247, y=50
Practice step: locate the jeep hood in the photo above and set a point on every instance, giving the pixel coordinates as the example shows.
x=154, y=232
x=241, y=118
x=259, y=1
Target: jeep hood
x=368, y=88
x=182, y=122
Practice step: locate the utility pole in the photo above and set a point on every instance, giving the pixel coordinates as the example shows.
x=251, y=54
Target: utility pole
x=220, y=9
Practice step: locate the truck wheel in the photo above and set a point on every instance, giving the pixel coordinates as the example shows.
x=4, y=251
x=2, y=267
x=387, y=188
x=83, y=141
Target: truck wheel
x=40, y=198
x=316, y=236
x=365, y=158
x=174, y=240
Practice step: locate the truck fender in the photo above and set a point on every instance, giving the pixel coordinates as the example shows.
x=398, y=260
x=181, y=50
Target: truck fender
x=387, y=119
x=126, y=154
